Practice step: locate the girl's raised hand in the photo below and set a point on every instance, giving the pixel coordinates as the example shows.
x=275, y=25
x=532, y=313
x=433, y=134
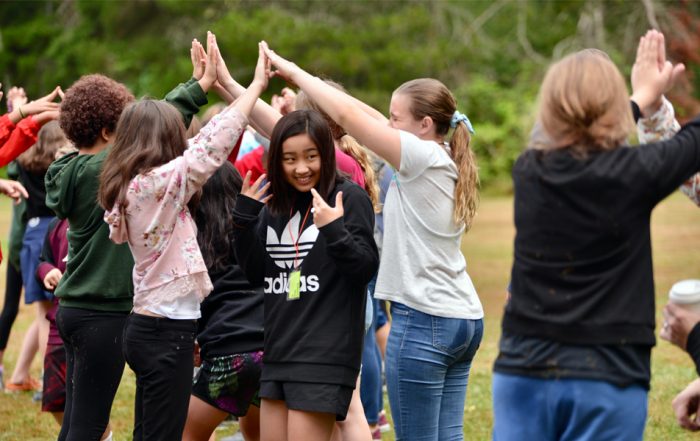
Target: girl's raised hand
x=209, y=75
x=257, y=190
x=15, y=98
x=262, y=68
x=650, y=79
x=198, y=57
x=283, y=68
x=324, y=214
x=222, y=72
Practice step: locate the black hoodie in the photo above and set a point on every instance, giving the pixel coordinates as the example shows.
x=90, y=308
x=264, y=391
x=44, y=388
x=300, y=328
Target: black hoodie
x=317, y=337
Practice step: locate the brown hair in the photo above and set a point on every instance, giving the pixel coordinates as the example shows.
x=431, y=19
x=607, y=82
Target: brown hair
x=91, y=104
x=347, y=144
x=584, y=104
x=292, y=124
x=39, y=156
x=149, y=134
x=429, y=97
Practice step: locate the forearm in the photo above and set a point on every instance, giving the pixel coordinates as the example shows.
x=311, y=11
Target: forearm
x=355, y=253
x=660, y=126
x=187, y=98
x=263, y=116
x=23, y=136
x=247, y=245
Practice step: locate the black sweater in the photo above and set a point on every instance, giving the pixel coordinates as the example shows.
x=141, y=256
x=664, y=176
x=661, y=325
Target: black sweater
x=232, y=315
x=34, y=183
x=318, y=337
x=582, y=271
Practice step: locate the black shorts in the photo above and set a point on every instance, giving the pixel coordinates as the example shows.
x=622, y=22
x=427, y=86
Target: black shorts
x=310, y=397
x=231, y=382
x=53, y=398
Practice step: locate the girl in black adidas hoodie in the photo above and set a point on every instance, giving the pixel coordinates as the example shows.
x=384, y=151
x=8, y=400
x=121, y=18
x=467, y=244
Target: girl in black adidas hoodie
x=314, y=261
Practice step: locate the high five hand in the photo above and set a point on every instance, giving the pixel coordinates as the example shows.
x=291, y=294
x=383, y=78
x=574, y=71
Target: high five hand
x=256, y=190
x=283, y=68
x=324, y=214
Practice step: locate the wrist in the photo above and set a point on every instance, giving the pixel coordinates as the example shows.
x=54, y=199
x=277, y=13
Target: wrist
x=646, y=102
x=205, y=84
x=15, y=116
x=256, y=86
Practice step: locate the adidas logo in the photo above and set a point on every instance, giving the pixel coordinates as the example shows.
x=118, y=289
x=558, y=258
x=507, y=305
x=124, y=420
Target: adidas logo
x=281, y=249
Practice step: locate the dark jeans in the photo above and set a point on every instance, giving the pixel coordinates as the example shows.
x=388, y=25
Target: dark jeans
x=13, y=290
x=160, y=352
x=94, y=368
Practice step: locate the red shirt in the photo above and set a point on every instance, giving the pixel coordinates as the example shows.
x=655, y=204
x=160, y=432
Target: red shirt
x=16, y=139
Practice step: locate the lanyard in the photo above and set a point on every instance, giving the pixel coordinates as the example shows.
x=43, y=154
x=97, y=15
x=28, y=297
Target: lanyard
x=301, y=228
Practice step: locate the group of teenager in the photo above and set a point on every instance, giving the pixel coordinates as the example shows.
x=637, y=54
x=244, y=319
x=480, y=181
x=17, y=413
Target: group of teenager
x=164, y=250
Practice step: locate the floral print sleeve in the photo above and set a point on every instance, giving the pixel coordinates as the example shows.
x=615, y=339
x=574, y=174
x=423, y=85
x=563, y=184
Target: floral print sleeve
x=661, y=126
x=158, y=225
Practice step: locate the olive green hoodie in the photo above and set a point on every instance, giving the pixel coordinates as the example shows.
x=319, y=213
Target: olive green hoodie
x=98, y=271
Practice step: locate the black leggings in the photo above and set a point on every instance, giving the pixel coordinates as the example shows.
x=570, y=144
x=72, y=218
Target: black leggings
x=159, y=350
x=13, y=291
x=94, y=368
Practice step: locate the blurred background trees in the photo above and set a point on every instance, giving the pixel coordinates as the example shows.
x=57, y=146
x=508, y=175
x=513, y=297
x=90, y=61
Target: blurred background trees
x=492, y=54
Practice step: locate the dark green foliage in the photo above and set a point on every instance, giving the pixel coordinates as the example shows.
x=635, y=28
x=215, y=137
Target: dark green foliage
x=492, y=54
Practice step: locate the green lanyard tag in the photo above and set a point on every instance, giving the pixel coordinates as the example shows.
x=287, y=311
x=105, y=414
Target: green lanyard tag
x=294, y=282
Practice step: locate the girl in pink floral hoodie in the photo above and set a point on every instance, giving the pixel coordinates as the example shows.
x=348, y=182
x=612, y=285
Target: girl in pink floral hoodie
x=151, y=175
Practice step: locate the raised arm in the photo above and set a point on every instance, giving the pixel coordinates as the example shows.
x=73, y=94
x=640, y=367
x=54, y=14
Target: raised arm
x=347, y=111
x=263, y=116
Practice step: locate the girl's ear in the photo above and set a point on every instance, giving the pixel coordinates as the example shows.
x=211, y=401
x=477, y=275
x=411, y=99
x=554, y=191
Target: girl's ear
x=106, y=135
x=426, y=124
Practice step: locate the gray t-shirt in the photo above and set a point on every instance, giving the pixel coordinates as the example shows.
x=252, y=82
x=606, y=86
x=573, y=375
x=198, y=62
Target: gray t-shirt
x=421, y=265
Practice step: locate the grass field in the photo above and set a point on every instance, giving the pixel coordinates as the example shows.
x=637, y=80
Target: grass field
x=488, y=248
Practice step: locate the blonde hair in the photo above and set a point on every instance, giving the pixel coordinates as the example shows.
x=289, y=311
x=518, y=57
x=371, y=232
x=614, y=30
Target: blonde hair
x=348, y=145
x=429, y=97
x=584, y=104
x=39, y=156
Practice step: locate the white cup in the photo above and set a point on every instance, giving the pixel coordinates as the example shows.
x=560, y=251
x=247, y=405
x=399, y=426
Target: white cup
x=686, y=294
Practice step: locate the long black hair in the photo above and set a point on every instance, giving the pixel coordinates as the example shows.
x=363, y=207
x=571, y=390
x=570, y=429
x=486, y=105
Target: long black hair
x=292, y=124
x=214, y=216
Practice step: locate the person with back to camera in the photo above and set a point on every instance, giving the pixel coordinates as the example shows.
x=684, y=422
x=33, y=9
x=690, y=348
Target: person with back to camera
x=574, y=359
x=96, y=290
x=147, y=185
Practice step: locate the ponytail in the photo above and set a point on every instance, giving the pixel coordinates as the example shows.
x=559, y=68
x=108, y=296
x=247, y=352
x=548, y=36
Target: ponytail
x=467, y=188
x=350, y=146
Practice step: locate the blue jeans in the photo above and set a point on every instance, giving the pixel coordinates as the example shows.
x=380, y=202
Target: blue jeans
x=371, y=383
x=566, y=409
x=427, y=368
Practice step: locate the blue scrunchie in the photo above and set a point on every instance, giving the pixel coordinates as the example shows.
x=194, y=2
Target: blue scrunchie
x=457, y=117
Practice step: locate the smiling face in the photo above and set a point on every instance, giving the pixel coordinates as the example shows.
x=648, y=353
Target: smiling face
x=400, y=116
x=301, y=162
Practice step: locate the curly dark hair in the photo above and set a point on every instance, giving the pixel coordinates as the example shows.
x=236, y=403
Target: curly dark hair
x=91, y=104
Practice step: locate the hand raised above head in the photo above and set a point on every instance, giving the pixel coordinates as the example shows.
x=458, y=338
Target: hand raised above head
x=209, y=76
x=198, y=57
x=283, y=68
x=15, y=97
x=256, y=190
x=262, y=69
x=652, y=74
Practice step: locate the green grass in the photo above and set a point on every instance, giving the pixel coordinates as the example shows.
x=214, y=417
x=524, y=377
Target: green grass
x=488, y=249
